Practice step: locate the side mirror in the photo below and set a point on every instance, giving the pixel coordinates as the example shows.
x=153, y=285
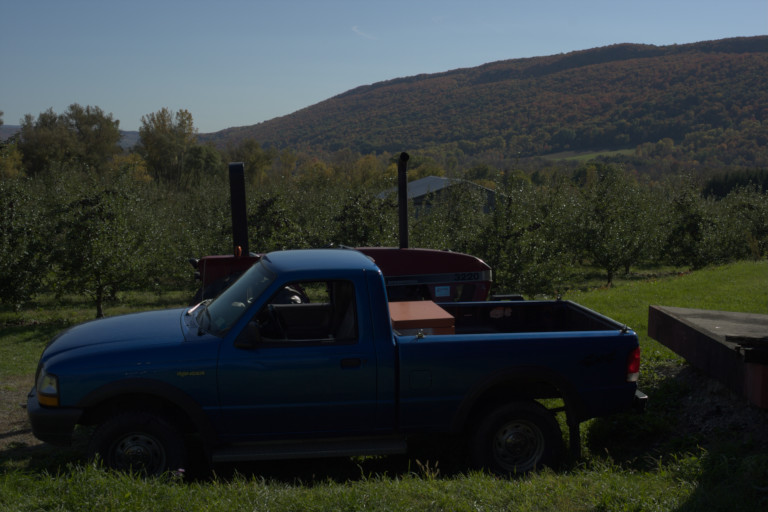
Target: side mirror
x=249, y=337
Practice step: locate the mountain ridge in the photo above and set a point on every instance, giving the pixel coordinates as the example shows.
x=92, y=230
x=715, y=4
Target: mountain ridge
x=620, y=95
x=579, y=58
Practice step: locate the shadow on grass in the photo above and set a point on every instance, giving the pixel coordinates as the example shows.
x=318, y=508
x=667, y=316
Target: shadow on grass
x=697, y=429
x=687, y=412
x=732, y=477
x=41, y=458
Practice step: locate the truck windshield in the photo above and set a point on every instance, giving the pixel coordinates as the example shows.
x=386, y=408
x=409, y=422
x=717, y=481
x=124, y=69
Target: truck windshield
x=222, y=313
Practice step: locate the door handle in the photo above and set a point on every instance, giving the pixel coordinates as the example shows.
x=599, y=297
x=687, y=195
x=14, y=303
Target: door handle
x=352, y=362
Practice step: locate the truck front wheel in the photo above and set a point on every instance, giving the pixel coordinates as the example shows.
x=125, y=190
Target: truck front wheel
x=516, y=438
x=139, y=442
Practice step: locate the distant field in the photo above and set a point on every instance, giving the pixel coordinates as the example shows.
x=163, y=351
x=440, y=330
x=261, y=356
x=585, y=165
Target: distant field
x=584, y=156
x=697, y=447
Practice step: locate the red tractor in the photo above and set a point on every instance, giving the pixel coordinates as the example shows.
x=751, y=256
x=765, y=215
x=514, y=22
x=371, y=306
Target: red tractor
x=410, y=274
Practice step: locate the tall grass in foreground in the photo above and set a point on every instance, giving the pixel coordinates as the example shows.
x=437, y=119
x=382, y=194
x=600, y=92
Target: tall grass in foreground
x=692, y=483
x=89, y=489
x=659, y=468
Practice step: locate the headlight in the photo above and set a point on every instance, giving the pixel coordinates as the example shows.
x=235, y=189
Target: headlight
x=47, y=389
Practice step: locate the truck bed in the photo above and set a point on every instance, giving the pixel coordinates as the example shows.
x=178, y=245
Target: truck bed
x=539, y=349
x=526, y=316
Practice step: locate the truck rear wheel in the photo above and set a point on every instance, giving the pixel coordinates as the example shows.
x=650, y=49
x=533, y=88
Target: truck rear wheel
x=139, y=442
x=517, y=438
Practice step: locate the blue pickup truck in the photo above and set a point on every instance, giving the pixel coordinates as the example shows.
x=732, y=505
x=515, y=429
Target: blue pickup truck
x=303, y=356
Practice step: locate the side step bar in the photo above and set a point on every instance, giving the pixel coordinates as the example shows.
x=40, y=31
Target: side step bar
x=310, y=449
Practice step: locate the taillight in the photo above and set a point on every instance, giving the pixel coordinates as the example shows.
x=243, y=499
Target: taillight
x=633, y=365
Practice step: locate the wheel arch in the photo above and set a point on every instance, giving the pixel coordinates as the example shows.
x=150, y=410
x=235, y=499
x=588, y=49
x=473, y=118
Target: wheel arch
x=147, y=394
x=513, y=384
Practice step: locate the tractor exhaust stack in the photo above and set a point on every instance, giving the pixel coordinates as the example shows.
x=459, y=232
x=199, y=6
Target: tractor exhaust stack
x=402, y=198
x=239, y=214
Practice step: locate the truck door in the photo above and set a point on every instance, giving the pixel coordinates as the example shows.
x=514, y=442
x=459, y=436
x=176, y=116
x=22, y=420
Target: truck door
x=304, y=365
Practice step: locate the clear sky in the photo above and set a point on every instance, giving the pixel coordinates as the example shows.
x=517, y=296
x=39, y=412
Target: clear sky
x=237, y=62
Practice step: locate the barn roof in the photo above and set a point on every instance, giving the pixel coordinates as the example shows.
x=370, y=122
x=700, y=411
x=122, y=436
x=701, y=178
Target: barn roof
x=425, y=186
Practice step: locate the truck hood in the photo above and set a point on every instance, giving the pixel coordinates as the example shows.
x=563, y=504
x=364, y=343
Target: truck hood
x=137, y=329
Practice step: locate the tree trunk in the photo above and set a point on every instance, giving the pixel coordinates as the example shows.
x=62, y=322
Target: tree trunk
x=100, y=302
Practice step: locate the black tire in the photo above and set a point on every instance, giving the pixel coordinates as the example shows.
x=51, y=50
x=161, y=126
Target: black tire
x=139, y=442
x=517, y=438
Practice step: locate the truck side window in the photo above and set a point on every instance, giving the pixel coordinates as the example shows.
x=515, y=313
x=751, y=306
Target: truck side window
x=310, y=312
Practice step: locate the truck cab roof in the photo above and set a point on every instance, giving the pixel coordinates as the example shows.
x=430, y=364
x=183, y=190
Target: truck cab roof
x=318, y=260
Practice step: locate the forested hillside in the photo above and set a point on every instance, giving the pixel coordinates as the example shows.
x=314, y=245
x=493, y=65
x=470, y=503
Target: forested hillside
x=692, y=103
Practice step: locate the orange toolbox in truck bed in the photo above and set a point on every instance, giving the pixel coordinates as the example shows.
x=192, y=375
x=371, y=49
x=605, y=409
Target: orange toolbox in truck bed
x=412, y=317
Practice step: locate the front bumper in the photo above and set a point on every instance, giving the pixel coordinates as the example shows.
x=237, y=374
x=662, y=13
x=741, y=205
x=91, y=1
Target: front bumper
x=53, y=425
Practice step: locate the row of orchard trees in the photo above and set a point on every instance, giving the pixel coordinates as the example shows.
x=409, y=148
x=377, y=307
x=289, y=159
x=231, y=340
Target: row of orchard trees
x=88, y=139
x=82, y=215
x=76, y=221
x=168, y=152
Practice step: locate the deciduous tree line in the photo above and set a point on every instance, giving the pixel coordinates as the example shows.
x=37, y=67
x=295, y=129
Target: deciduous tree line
x=82, y=216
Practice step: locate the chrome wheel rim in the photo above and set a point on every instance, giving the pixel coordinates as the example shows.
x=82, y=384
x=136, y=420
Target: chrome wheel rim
x=518, y=446
x=139, y=452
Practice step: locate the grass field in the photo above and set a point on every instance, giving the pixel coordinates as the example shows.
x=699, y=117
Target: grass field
x=697, y=446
